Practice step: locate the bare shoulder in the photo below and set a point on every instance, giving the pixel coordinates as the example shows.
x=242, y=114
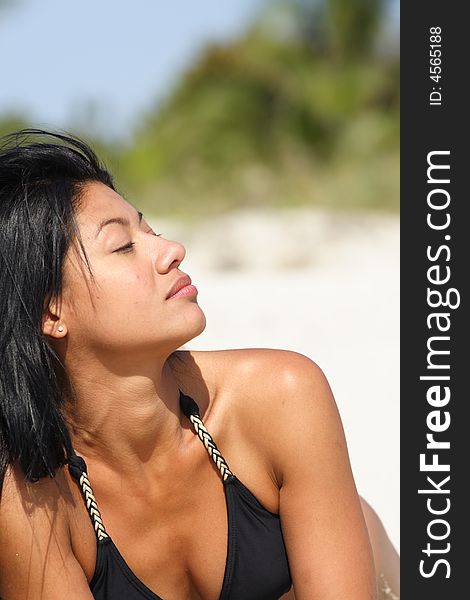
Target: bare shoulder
x=35, y=538
x=265, y=391
x=248, y=367
x=281, y=396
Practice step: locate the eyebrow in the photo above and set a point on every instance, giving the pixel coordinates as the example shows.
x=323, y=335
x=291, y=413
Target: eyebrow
x=118, y=220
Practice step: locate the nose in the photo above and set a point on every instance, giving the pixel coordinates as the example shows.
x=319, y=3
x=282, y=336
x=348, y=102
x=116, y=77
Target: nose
x=170, y=255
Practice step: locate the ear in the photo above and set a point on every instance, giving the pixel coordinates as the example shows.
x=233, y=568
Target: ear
x=52, y=324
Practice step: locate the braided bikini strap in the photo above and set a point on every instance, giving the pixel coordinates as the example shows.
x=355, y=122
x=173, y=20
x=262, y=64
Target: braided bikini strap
x=191, y=410
x=78, y=470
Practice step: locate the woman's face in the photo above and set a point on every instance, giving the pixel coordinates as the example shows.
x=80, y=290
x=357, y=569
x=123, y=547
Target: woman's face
x=126, y=308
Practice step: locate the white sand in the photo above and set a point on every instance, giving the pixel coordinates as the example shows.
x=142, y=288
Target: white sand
x=325, y=285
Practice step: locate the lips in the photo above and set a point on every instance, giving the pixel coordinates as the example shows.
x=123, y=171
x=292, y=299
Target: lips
x=179, y=283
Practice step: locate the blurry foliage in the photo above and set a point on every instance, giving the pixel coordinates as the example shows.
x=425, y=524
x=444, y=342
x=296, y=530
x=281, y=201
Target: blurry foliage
x=12, y=122
x=352, y=26
x=299, y=110
x=288, y=114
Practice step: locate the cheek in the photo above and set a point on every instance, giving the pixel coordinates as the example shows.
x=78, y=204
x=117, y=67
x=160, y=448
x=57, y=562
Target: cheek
x=126, y=286
x=113, y=293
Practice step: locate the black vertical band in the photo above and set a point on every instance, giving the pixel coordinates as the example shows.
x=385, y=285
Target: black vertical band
x=434, y=307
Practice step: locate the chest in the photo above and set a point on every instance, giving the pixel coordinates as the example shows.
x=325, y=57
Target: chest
x=172, y=530
x=256, y=563
x=174, y=540
x=176, y=543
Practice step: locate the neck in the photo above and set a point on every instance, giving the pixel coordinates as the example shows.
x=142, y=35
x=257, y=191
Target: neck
x=125, y=419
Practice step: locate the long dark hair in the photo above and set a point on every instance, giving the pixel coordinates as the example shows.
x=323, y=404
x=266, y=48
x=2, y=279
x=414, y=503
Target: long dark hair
x=42, y=175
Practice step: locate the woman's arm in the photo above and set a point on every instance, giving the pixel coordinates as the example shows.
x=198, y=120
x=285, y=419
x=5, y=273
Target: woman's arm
x=386, y=558
x=36, y=558
x=323, y=525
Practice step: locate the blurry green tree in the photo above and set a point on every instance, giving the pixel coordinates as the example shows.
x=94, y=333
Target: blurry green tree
x=295, y=111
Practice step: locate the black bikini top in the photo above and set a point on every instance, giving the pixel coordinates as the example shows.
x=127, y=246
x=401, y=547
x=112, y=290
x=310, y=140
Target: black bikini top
x=256, y=565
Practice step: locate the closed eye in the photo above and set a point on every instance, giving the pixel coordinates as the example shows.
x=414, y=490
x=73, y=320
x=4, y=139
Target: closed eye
x=129, y=246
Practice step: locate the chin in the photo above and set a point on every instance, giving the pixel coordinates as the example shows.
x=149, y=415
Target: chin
x=195, y=325
x=202, y=323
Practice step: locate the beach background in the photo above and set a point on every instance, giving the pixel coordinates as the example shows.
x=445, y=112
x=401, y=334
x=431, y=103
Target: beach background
x=264, y=136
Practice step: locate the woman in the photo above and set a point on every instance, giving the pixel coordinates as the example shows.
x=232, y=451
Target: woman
x=107, y=430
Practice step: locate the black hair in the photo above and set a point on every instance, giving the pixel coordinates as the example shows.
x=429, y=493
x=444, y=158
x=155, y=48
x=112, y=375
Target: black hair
x=42, y=175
